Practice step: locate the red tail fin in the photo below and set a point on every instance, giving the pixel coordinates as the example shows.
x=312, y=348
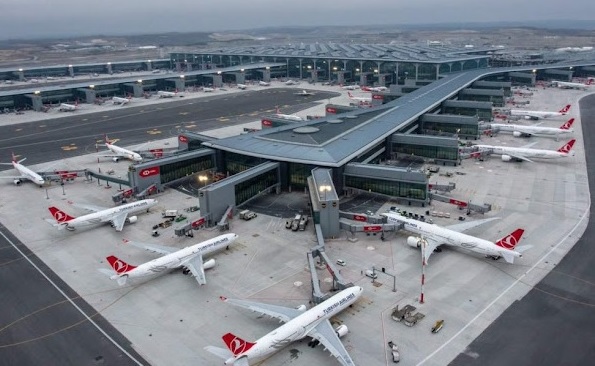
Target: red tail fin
x=589, y=82
x=567, y=147
x=349, y=93
x=14, y=158
x=107, y=141
x=236, y=344
x=59, y=215
x=119, y=265
x=565, y=109
x=511, y=240
x=567, y=125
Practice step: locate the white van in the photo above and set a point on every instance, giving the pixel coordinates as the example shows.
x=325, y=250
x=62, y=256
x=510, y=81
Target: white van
x=341, y=262
x=371, y=274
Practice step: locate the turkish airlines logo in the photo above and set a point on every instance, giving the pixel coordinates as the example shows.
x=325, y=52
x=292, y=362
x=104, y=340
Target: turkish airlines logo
x=372, y=228
x=360, y=218
x=566, y=148
x=377, y=97
x=567, y=125
x=331, y=110
x=120, y=266
x=183, y=139
x=59, y=216
x=266, y=122
x=237, y=346
x=509, y=242
x=149, y=172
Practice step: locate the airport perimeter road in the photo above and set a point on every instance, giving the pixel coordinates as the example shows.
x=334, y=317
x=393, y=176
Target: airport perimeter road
x=55, y=139
x=39, y=325
x=554, y=323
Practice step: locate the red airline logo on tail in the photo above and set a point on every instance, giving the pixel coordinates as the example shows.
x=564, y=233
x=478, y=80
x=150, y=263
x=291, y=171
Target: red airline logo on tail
x=236, y=344
x=565, y=109
x=511, y=240
x=567, y=125
x=60, y=216
x=119, y=265
x=567, y=147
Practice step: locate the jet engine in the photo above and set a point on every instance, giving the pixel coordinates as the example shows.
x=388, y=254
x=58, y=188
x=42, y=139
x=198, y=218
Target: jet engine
x=506, y=158
x=116, y=159
x=301, y=307
x=132, y=219
x=209, y=264
x=17, y=182
x=341, y=330
x=521, y=134
x=414, y=242
x=532, y=118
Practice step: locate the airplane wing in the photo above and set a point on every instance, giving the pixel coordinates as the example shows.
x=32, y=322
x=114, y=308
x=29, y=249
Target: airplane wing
x=521, y=157
x=195, y=265
x=466, y=225
x=14, y=177
x=282, y=313
x=326, y=335
x=155, y=248
x=90, y=208
x=117, y=220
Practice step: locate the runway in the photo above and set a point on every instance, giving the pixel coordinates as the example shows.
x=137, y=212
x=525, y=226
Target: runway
x=44, y=322
x=55, y=139
x=553, y=324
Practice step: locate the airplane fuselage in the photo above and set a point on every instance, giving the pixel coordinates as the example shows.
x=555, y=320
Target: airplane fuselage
x=298, y=327
x=525, y=152
x=532, y=130
x=29, y=174
x=534, y=114
x=291, y=117
x=128, y=154
x=103, y=216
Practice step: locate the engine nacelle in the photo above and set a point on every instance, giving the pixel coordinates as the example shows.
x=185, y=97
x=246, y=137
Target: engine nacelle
x=532, y=118
x=414, y=242
x=506, y=158
x=517, y=134
x=132, y=219
x=301, y=308
x=116, y=159
x=341, y=330
x=209, y=264
x=17, y=182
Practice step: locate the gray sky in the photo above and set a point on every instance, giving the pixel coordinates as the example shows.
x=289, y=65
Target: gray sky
x=26, y=18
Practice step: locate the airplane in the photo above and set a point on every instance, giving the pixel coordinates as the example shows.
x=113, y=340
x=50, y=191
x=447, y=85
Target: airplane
x=304, y=93
x=120, y=152
x=116, y=216
x=291, y=82
x=359, y=99
x=528, y=131
x=291, y=117
x=375, y=89
x=208, y=90
x=539, y=114
x=299, y=323
x=434, y=236
x=120, y=101
x=569, y=85
x=350, y=87
x=190, y=259
x=65, y=107
x=166, y=94
x=264, y=83
x=25, y=172
x=242, y=86
x=524, y=153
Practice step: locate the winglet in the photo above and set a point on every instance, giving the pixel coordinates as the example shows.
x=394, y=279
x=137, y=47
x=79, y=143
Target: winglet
x=236, y=344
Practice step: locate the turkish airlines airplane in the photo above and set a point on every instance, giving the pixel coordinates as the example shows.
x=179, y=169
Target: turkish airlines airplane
x=304, y=93
x=65, y=107
x=299, y=323
x=350, y=87
x=434, y=236
x=528, y=131
x=569, y=85
x=375, y=89
x=166, y=94
x=524, y=153
x=208, y=90
x=264, y=83
x=242, y=86
x=539, y=114
x=190, y=259
x=120, y=152
x=26, y=173
x=120, y=101
x=116, y=216
x=360, y=99
x=291, y=117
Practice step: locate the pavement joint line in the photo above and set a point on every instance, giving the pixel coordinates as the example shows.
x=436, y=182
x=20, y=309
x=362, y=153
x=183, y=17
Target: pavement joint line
x=71, y=301
x=585, y=214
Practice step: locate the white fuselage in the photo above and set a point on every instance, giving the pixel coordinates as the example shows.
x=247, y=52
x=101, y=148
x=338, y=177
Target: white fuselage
x=360, y=99
x=534, y=114
x=567, y=84
x=120, y=151
x=118, y=100
x=103, y=216
x=165, y=94
x=291, y=117
x=179, y=258
x=532, y=130
x=299, y=327
x=449, y=237
x=525, y=152
x=28, y=173
x=67, y=107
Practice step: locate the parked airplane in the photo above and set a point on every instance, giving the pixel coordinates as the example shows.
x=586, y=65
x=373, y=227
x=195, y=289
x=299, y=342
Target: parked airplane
x=120, y=152
x=116, y=216
x=299, y=323
x=242, y=86
x=528, y=131
x=292, y=117
x=374, y=89
x=166, y=94
x=65, y=107
x=569, y=85
x=350, y=87
x=360, y=99
x=190, y=259
x=264, y=83
x=304, y=93
x=524, y=153
x=120, y=101
x=291, y=82
x=435, y=235
x=25, y=172
x=539, y=114
x=208, y=90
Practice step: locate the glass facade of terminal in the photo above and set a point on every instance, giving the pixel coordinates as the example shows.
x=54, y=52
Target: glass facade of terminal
x=252, y=187
x=397, y=189
x=236, y=163
x=172, y=171
x=298, y=175
x=427, y=151
x=482, y=114
x=463, y=130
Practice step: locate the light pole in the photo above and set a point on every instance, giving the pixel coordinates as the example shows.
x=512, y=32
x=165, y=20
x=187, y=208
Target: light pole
x=325, y=188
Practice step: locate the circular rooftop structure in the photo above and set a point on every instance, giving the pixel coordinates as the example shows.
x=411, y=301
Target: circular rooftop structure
x=306, y=129
x=335, y=121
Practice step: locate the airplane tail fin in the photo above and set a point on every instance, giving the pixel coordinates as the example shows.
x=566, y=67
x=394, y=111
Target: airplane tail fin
x=511, y=240
x=565, y=109
x=236, y=344
x=277, y=110
x=106, y=139
x=589, y=82
x=59, y=215
x=567, y=124
x=350, y=95
x=119, y=265
x=567, y=147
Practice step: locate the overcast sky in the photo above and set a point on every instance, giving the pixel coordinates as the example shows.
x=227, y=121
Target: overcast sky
x=27, y=18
